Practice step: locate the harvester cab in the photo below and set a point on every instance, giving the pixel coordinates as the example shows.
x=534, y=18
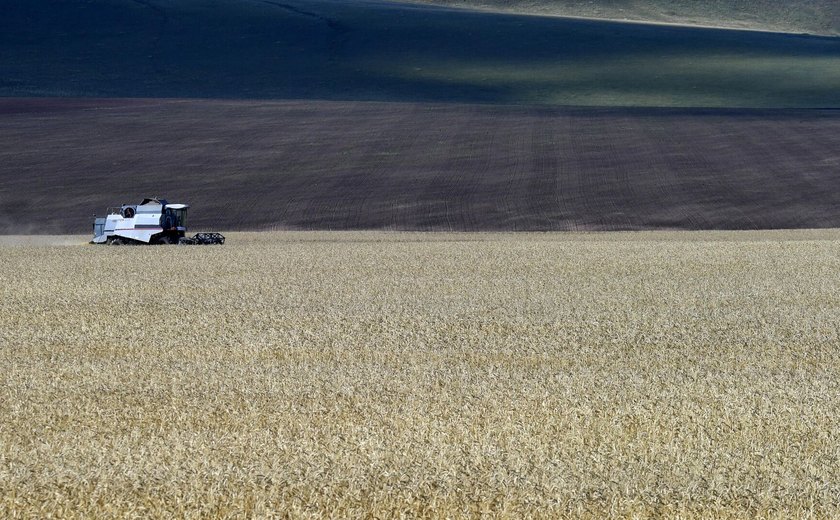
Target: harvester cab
x=153, y=221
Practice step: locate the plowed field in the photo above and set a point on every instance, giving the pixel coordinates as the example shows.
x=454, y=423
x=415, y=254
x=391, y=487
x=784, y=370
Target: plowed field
x=403, y=166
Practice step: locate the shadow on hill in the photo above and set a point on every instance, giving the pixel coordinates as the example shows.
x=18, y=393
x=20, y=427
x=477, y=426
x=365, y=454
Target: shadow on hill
x=336, y=50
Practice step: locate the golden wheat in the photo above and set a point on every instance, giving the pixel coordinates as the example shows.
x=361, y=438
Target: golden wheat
x=381, y=375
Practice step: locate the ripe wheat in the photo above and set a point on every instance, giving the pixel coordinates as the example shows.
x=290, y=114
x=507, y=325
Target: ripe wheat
x=378, y=375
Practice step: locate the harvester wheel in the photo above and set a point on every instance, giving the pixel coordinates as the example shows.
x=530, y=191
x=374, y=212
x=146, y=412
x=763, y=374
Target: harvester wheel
x=116, y=242
x=163, y=241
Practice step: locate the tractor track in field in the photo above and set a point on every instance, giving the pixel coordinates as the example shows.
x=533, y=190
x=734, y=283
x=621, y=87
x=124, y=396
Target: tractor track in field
x=414, y=166
x=331, y=23
x=338, y=30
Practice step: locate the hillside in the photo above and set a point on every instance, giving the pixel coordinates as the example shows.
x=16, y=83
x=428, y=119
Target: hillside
x=374, y=115
x=417, y=166
x=382, y=51
x=808, y=16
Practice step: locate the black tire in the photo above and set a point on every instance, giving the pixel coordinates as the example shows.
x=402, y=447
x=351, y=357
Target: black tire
x=163, y=241
x=116, y=241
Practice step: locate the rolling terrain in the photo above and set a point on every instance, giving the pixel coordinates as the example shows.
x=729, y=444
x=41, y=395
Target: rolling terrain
x=809, y=16
x=381, y=51
x=377, y=115
x=306, y=371
x=446, y=167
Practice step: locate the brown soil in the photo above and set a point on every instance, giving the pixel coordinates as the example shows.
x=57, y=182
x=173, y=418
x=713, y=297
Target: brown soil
x=356, y=165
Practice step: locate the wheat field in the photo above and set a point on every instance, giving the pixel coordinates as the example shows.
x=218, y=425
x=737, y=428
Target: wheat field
x=293, y=375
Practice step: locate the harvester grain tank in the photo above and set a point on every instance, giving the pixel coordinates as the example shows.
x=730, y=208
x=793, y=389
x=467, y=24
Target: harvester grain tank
x=153, y=221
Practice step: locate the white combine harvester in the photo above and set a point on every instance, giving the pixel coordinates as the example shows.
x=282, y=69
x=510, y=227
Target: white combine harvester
x=153, y=221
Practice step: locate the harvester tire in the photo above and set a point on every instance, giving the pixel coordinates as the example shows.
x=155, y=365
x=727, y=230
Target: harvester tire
x=163, y=241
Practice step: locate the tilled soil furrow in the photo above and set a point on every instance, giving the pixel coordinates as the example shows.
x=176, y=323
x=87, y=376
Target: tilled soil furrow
x=408, y=166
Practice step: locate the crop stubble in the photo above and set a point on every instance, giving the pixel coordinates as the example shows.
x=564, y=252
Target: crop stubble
x=820, y=17
x=254, y=165
x=302, y=374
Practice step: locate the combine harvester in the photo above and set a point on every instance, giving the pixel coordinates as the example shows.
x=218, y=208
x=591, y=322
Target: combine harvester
x=153, y=221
